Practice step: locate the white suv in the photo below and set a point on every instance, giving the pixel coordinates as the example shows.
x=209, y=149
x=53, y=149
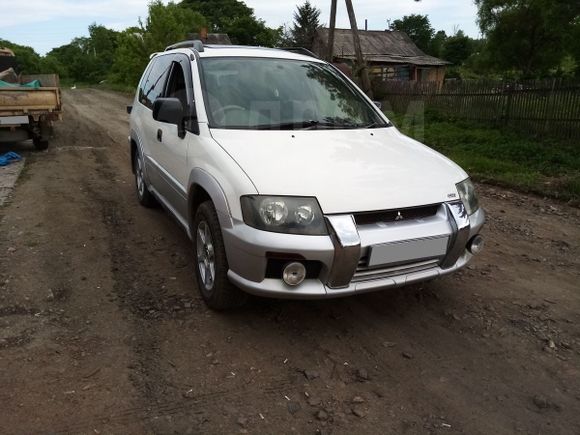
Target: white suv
x=290, y=182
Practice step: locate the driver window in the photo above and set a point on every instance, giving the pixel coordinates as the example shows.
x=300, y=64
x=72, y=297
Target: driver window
x=154, y=84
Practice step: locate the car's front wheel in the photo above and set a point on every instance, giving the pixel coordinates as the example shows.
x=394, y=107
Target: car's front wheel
x=211, y=263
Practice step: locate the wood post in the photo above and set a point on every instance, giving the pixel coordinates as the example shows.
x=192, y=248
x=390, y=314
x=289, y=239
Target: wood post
x=330, y=54
x=361, y=64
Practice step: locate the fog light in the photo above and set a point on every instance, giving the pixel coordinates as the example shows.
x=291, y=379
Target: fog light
x=294, y=274
x=476, y=244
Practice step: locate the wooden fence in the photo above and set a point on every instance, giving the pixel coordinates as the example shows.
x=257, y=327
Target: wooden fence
x=545, y=108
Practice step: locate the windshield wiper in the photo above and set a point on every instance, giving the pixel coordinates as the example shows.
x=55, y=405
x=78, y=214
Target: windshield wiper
x=336, y=125
x=310, y=124
x=297, y=125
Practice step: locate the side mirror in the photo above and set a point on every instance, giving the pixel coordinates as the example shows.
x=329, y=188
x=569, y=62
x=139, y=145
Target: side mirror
x=378, y=104
x=171, y=111
x=168, y=110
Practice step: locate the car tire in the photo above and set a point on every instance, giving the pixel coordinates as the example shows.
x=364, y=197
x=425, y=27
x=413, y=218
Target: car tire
x=211, y=264
x=145, y=197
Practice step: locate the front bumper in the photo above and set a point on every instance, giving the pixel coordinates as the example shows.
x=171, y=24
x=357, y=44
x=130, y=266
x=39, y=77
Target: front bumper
x=344, y=254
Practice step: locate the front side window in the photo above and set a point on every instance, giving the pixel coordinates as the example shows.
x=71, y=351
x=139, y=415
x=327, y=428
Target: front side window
x=154, y=84
x=266, y=93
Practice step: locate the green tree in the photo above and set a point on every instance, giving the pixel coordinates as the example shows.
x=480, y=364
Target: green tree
x=131, y=57
x=51, y=65
x=572, y=42
x=164, y=25
x=437, y=43
x=252, y=31
x=84, y=59
x=72, y=59
x=237, y=20
x=101, y=46
x=527, y=36
x=419, y=29
x=167, y=24
x=306, y=23
x=28, y=60
x=219, y=13
x=457, y=48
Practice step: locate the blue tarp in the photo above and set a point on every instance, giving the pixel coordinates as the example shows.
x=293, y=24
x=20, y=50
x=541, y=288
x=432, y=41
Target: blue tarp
x=10, y=157
x=35, y=84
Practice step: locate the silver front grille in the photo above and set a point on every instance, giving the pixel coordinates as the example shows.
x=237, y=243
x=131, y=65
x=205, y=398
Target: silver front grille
x=365, y=273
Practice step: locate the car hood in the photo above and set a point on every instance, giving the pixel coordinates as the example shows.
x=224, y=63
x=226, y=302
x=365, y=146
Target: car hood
x=346, y=170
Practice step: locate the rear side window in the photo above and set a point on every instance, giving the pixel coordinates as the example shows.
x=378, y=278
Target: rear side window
x=152, y=87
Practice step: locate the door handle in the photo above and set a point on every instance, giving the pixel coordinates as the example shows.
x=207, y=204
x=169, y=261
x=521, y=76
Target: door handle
x=159, y=135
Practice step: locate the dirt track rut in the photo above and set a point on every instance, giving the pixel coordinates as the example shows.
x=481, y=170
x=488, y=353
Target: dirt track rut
x=102, y=329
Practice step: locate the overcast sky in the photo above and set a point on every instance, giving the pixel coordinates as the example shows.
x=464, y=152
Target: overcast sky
x=45, y=24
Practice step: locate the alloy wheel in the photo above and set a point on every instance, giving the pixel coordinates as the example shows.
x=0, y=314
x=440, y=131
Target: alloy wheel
x=205, y=255
x=139, y=177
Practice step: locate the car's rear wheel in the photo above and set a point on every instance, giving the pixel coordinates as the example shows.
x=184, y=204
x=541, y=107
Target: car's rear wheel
x=144, y=196
x=211, y=263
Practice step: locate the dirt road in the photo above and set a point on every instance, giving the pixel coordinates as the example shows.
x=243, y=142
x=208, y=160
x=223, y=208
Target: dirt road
x=102, y=329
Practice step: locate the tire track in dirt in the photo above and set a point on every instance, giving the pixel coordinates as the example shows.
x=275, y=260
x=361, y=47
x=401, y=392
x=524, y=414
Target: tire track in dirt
x=133, y=285
x=59, y=267
x=200, y=407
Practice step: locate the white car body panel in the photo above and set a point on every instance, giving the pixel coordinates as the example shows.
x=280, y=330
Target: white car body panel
x=346, y=170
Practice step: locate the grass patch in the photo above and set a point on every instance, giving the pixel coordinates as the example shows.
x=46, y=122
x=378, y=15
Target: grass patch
x=501, y=157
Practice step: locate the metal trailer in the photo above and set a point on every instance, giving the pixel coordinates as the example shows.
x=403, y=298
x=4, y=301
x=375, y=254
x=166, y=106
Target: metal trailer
x=29, y=113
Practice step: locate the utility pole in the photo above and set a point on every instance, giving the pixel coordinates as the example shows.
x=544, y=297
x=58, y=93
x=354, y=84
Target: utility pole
x=330, y=54
x=361, y=64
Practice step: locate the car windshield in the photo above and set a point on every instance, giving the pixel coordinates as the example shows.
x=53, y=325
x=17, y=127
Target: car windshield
x=268, y=94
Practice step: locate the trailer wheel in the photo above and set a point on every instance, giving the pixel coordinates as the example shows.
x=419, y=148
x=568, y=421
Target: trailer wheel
x=41, y=134
x=40, y=144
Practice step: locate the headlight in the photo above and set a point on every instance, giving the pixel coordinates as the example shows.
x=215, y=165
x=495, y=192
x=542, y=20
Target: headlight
x=284, y=214
x=468, y=196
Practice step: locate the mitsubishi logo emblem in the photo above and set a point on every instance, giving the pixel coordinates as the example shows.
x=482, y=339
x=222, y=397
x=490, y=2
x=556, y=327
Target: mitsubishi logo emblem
x=399, y=216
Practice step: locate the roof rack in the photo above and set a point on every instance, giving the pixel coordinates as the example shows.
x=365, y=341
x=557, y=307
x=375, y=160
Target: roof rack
x=299, y=50
x=194, y=43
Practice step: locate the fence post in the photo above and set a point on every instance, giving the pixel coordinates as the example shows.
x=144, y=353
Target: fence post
x=508, y=105
x=549, y=112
